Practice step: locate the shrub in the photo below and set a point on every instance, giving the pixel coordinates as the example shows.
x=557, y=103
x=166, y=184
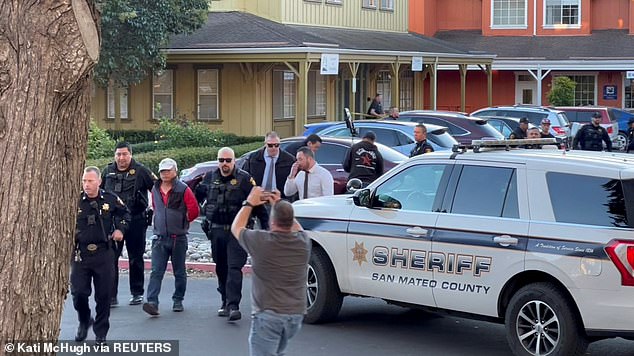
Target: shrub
x=562, y=92
x=100, y=144
x=133, y=136
x=184, y=157
x=184, y=133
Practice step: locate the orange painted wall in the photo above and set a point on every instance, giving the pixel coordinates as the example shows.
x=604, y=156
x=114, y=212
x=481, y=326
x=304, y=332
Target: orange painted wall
x=422, y=17
x=631, y=11
x=459, y=14
x=586, y=20
x=476, y=92
x=610, y=14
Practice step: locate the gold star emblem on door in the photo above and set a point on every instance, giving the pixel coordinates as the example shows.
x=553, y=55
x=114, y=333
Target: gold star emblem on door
x=359, y=252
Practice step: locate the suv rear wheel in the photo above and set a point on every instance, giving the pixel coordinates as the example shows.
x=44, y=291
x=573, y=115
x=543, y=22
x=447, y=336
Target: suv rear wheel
x=539, y=321
x=323, y=295
x=620, y=142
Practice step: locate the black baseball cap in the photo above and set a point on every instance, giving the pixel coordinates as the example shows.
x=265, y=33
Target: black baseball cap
x=524, y=120
x=596, y=114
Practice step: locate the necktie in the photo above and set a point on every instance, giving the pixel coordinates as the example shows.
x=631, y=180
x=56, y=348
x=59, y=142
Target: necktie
x=305, y=185
x=269, y=178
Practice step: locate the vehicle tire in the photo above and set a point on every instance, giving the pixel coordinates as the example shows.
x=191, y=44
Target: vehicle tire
x=323, y=295
x=558, y=330
x=620, y=142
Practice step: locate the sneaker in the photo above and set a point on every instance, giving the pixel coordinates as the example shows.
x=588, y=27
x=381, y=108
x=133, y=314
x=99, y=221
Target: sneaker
x=235, y=315
x=114, y=302
x=223, y=311
x=136, y=300
x=151, y=309
x=178, y=306
x=82, y=330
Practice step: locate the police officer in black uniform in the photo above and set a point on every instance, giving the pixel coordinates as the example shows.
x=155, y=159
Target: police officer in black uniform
x=422, y=146
x=102, y=217
x=131, y=181
x=226, y=189
x=590, y=137
x=521, y=132
x=630, y=136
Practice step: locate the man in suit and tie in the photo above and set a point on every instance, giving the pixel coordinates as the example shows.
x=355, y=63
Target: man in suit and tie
x=308, y=178
x=270, y=165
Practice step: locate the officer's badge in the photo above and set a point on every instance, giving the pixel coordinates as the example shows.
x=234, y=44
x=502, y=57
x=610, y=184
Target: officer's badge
x=105, y=207
x=428, y=150
x=252, y=181
x=132, y=171
x=234, y=181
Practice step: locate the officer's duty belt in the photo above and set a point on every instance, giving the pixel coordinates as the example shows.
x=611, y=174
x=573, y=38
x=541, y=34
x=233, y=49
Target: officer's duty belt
x=225, y=227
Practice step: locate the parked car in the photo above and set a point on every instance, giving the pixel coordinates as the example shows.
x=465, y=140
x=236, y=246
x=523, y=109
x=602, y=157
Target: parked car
x=581, y=115
x=395, y=134
x=462, y=127
x=558, y=120
x=330, y=156
x=316, y=127
x=506, y=125
x=498, y=234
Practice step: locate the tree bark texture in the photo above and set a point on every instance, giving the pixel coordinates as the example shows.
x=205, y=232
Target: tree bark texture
x=47, y=51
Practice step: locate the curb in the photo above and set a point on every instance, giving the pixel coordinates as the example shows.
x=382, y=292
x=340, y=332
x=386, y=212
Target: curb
x=196, y=266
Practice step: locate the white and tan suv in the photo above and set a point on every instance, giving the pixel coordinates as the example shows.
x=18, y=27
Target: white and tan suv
x=538, y=239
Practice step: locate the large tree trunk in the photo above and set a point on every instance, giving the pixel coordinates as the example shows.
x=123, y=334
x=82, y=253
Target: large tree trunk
x=47, y=51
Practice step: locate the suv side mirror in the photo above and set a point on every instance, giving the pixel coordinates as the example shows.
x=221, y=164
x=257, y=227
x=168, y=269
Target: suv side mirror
x=353, y=185
x=362, y=197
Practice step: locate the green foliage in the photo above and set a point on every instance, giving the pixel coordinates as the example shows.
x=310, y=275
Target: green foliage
x=562, y=92
x=184, y=133
x=134, y=31
x=184, y=157
x=100, y=144
x=132, y=136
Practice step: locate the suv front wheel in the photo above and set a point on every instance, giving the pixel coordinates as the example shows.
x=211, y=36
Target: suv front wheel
x=323, y=295
x=539, y=321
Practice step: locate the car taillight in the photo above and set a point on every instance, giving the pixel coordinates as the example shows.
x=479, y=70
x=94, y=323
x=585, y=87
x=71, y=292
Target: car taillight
x=610, y=129
x=622, y=255
x=559, y=130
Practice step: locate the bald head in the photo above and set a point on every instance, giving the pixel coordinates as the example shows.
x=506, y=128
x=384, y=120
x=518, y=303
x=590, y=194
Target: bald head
x=282, y=215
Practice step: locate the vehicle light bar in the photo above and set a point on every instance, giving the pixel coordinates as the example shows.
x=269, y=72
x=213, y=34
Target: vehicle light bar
x=506, y=144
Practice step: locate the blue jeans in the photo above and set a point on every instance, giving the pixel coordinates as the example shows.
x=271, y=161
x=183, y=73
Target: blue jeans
x=163, y=249
x=271, y=331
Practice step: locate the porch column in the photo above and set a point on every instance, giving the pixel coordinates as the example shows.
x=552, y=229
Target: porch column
x=489, y=85
x=539, y=76
x=395, y=83
x=354, y=68
x=301, y=106
x=463, y=86
x=433, y=76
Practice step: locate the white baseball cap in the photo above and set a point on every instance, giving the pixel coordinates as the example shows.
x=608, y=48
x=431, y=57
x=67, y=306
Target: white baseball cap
x=168, y=164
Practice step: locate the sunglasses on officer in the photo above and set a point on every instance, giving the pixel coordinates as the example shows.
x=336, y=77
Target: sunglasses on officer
x=271, y=145
x=223, y=160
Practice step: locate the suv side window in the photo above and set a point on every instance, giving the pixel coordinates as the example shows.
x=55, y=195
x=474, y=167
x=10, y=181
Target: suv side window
x=488, y=191
x=453, y=129
x=415, y=188
x=584, y=116
x=331, y=153
x=384, y=136
x=587, y=200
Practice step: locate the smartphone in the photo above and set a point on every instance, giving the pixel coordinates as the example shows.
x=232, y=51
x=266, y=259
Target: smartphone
x=265, y=195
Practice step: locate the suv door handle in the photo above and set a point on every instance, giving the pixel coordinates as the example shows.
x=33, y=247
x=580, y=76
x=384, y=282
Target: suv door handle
x=505, y=240
x=340, y=170
x=416, y=231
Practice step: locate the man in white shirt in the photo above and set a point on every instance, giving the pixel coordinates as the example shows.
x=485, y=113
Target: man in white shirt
x=307, y=177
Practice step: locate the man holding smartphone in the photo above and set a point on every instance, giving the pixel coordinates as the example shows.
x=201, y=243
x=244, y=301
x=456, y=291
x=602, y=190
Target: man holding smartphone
x=226, y=188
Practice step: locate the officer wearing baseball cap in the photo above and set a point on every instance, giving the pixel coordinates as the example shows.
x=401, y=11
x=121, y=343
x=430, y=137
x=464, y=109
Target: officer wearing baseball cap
x=520, y=132
x=590, y=137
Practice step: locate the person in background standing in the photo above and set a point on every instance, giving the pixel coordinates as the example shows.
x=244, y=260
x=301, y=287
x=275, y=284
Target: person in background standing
x=375, y=111
x=422, y=146
x=308, y=178
x=269, y=166
x=590, y=137
x=394, y=114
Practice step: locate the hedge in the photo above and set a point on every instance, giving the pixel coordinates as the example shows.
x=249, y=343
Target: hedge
x=184, y=157
x=133, y=136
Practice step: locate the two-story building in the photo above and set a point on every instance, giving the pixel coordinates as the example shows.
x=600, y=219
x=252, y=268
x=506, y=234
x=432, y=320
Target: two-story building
x=589, y=41
x=260, y=65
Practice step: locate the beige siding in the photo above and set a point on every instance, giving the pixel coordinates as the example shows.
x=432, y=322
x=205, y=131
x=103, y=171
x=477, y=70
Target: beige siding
x=269, y=9
x=349, y=14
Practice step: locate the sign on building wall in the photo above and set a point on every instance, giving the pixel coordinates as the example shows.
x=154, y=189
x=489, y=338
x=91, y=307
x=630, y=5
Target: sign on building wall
x=329, y=64
x=609, y=92
x=417, y=64
x=629, y=74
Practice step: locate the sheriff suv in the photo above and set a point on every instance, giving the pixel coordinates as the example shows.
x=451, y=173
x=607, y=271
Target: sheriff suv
x=538, y=239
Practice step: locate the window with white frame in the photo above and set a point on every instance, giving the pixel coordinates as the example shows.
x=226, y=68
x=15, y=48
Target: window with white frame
x=118, y=96
x=316, y=94
x=384, y=87
x=406, y=90
x=508, y=13
x=337, y=2
x=284, y=92
x=163, y=94
x=387, y=5
x=208, y=94
x=562, y=12
x=629, y=94
x=370, y=4
x=585, y=89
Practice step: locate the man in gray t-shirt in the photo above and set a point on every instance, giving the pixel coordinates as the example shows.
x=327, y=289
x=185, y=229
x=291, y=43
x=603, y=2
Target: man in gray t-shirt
x=280, y=262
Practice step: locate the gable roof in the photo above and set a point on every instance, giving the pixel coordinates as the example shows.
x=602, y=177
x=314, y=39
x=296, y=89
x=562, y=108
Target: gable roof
x=236, y=30
x=602, y=47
